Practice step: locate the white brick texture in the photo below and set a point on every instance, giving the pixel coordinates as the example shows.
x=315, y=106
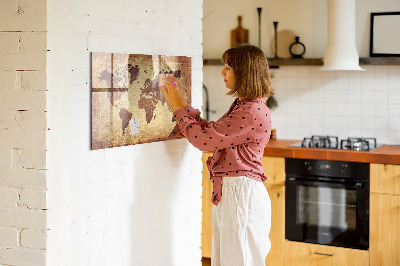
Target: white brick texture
x=23, y=128
x=124, y=202
x=18, y=256
x=23, y=218
x=9, y=237
x=8, y=197
x=33, y=199
x=33, y=239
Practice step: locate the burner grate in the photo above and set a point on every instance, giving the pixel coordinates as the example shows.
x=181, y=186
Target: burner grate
x=332, y=142
x=327, y=142
x=358, y=144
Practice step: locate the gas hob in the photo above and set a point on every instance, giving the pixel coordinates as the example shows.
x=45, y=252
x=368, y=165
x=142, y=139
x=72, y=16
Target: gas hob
x=332, y=142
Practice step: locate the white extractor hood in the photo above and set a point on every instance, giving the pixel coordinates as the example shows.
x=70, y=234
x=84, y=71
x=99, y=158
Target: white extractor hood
x=341, y=51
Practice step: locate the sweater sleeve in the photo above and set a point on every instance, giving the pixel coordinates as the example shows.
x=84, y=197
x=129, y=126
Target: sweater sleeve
x=193, y=113
x=229, y=131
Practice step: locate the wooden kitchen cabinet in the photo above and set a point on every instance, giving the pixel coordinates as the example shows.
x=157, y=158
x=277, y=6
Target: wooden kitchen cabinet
x=385, y=178
x=206, y=225
x=305, y=254
x=274, y=168
x=385, y=215
x=277, y=233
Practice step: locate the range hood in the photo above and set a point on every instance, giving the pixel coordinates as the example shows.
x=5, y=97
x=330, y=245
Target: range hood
x=341, y=51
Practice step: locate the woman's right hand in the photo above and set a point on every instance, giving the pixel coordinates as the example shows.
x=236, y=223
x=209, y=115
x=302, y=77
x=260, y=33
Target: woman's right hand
x=174, y=94
x=181, y=93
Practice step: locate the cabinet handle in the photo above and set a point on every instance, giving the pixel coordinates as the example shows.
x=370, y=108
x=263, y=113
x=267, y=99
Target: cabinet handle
x=324, y=254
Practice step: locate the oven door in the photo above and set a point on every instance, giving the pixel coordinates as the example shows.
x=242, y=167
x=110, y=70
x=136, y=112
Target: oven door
x=327, y=213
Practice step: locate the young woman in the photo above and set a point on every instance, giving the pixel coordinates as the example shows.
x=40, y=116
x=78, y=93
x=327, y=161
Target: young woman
x=242, y=208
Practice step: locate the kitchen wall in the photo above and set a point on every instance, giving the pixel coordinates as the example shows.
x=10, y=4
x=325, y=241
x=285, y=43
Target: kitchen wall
x=60, y=202
x=23, y=128
x=342, y=103
x=133, y=205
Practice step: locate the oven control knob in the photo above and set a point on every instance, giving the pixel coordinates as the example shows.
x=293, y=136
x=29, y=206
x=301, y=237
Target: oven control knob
x=308, y=166
x=343, y=168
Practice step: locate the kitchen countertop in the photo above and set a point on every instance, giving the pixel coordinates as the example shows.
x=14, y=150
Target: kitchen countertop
x=389, y=154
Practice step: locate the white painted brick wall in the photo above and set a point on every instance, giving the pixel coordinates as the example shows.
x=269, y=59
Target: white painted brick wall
x=134, y=205
x=8, y=197
x=9, y=237
x=23, y=132
x=34, y=239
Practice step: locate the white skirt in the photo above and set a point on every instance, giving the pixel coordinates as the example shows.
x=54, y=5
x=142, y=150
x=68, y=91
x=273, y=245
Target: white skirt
x=241, y=223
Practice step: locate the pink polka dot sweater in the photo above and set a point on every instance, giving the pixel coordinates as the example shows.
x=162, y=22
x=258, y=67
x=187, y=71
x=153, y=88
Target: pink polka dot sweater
x=238, y=139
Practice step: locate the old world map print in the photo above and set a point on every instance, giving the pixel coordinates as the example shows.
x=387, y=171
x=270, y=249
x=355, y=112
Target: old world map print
x=127, y=104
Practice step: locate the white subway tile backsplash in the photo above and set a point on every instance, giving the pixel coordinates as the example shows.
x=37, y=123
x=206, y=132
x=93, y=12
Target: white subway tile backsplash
x=304, y=72
x=292, y=83
x=394, y=97
x=342, y=122
x=342, y=96
x=304, y=82
x=394, y=136
x=342, y=109
x=367, y=96
x=347, y=103
x=380, y=71
x=354, y=80
x=381, y=84
x=329, y=122
x=291, y=71
x=355, y=132
x=367, y=133
x=368, y=123
x=315, y=71
x=394, y=123
x=394, y=83
x=381, y=110
x=329, y=109
x=355, y=96
x=381, y=122
x=354, y=122
x=316, y=82
x=394, y=71
x=381, y=97
x=367, y=110
x=394, y=110
x=342, y=81
x=367, y=82
x=381, y=136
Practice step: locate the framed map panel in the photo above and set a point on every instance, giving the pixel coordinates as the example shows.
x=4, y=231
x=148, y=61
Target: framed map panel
x=127, y=104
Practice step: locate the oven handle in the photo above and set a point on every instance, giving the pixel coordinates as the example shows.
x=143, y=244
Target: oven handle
x=357, y=185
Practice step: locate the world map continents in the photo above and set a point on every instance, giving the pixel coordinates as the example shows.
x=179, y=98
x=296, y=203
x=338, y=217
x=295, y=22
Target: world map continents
x=127, y=105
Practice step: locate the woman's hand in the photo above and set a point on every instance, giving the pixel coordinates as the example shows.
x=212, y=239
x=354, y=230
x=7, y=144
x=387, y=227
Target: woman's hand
x=174, y=94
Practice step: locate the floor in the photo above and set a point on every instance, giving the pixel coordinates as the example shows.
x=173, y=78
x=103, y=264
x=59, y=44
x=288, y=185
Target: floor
x=206, y=261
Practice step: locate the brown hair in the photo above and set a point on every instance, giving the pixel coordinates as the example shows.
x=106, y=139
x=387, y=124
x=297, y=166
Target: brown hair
x=250, y=66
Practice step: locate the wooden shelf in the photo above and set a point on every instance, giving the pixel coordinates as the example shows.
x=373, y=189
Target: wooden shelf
x=380, y=61
x=274, y=63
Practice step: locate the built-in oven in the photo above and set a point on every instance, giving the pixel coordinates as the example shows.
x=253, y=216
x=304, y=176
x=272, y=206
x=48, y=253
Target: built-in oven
x=327, y=202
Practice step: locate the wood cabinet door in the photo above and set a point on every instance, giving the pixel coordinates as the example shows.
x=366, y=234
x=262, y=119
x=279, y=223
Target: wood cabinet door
x=304, y=254
x=274, y=168
x=384, y=236
x=385, y=178
x=206, y=225
x=277, y=233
